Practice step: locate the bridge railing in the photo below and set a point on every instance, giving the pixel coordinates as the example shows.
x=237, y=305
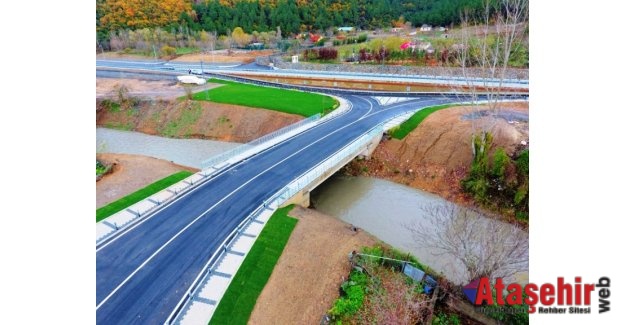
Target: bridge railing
x=225, y=156
x=208, y=269
x=318, y=170
x=282, y=196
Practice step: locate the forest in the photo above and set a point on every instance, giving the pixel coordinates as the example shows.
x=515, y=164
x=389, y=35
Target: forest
x=292, y=16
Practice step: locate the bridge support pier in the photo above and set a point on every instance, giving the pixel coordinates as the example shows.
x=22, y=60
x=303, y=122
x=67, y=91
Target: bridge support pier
x=368, y=151
x=302, y=199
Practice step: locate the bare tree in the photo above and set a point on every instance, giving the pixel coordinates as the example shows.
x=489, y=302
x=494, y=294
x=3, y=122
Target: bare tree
x=487, y=41
x=483, y=246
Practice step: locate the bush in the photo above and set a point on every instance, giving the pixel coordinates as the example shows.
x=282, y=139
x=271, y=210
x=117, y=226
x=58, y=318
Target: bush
x=167, y=50
x=100, y=168
x=446, y=319
x=353, y=298
x=495, y=181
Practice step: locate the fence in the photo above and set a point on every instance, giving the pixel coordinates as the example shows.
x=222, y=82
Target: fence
x=315, y=172
x=225, y=156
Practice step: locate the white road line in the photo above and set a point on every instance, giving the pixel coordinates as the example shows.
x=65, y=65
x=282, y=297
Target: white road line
x=121, y=234
x=219, y=202
x=210, y=209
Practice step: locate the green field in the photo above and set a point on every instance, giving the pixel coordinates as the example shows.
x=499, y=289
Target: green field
x=130, y=199
x=287, y=101
x=238, y=302
x=402, y=130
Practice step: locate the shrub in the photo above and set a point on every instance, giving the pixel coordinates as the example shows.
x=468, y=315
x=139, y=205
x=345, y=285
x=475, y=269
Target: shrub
x=354, y=289
x=495, y=181
x=446, y=319
x=167, y=50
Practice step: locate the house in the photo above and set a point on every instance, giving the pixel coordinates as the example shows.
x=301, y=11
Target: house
x=442, y=29
x=346, y=29
x=426, y=28
x=396, y=29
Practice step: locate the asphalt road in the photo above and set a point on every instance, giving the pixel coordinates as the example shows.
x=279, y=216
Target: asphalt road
x=143, y=273
x=255, y=69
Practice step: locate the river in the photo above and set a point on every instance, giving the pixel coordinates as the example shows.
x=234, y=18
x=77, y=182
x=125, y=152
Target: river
x=380, y=207
x=385, y=209
x=186, y=152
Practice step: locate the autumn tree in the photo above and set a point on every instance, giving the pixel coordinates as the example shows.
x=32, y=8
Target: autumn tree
x=121, y=14
x=240, y=37
x=207, y=40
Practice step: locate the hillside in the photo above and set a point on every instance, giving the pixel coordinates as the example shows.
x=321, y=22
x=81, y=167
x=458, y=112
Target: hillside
x=292, y=16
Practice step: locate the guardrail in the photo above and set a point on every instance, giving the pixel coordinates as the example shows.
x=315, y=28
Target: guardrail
x=276, y=200
x=315, y=172
x=225, y=156
x=207, y=269
x=401, y=76
x=340, y=91
x=279, y=198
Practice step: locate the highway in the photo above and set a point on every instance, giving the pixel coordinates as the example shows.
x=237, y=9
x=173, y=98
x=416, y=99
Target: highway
x=142, y=273
x=253, y=69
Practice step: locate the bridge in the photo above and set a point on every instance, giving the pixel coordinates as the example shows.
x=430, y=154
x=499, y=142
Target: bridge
x=173, y=257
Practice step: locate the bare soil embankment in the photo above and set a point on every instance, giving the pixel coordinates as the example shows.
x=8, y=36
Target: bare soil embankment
x=130, y=173
x=309, y=273
x=437, y=154
x=179, y=118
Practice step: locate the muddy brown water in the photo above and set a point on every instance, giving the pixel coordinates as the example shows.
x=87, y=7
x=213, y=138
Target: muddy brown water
x=384, y=208
x=186, y=152
x=380, y=207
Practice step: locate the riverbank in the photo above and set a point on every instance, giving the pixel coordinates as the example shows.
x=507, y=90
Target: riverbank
x=436, y=155
x=129, y=173
x=194, y=119
x=306, y=280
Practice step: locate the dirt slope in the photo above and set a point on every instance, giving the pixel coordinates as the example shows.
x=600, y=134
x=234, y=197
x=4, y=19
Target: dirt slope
x=437, y=154
x=307, y=277
x=202, y=120
x=130, y=173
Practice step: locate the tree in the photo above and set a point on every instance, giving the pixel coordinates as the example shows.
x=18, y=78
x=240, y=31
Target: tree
x=489, y=37
x=483, y=246
x=207, y=40
x=240, y=37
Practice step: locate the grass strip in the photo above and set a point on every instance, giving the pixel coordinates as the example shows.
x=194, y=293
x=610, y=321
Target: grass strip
x=282, y=100
x=240, y=298
x=130, y=199
x=410, y=124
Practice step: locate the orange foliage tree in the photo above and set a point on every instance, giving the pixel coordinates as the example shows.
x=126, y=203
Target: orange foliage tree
x=133, y=14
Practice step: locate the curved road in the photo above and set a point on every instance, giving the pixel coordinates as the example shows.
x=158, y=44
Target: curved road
x=143, y=273
x=254, y=69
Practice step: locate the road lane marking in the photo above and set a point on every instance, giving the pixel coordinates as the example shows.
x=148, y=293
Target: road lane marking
x=220, y=201
x=225, y=171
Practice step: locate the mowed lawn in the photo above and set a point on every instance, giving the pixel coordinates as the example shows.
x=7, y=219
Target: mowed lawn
x=130, y=199
x=287, y=101
x=240, y=298
x=410, y=124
